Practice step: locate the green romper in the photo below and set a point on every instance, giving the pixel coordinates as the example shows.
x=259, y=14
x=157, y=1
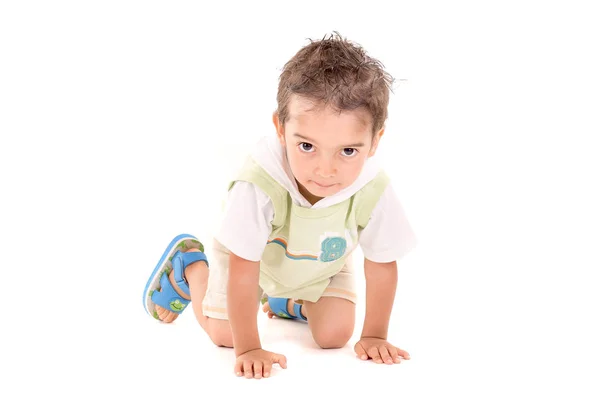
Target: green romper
x=306, y=247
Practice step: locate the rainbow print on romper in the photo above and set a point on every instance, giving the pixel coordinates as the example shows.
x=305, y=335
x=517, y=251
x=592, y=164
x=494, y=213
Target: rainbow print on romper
x=283, y=243
x=332, y=248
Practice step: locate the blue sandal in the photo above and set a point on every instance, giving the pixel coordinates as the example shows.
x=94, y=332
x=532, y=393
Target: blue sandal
x=159, y=290
x=279, y=307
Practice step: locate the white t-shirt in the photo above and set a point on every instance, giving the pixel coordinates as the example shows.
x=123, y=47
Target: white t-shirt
x=248, y=211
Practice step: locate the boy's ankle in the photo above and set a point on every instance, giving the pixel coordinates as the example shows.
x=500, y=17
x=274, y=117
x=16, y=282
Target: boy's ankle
x=290, y=308
x=176, y=286
x=194, y=269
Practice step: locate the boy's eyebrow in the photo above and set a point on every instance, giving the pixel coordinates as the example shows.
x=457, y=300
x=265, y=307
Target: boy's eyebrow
x=360, y=144
x=303, y=137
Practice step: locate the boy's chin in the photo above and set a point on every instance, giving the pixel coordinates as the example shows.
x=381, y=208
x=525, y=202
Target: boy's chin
x=322, y=191
x=313, y=192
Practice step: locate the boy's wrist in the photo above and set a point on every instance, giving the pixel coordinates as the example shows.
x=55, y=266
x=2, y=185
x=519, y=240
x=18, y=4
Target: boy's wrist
x=245, y=349
x=244, y=342
x=380, y=333
x=245, y=337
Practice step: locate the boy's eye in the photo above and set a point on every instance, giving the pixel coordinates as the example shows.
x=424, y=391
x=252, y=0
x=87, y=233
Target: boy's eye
x=348, y=152
x=306, y=147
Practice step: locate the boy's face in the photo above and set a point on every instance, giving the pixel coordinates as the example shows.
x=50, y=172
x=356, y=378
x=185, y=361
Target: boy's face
x=326, y=149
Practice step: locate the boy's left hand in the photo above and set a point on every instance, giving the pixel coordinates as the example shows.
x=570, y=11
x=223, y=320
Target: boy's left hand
x=379, y=350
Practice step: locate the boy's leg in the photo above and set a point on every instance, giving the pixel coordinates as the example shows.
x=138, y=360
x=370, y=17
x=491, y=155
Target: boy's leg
x=331, y=321
x=208, y=289
x=196, y=276
x=332, y=318
x=218, y=330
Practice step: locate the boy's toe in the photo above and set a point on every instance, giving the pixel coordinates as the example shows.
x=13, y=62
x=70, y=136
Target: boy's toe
x=165, y=315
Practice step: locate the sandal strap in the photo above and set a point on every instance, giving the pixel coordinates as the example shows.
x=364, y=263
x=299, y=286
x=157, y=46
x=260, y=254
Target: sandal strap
x=298, y=311
x=167, y=297
x=179, y=262
x=279, y=306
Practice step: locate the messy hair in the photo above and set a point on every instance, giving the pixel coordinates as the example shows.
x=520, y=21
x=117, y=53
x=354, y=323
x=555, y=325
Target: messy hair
x=337, y=73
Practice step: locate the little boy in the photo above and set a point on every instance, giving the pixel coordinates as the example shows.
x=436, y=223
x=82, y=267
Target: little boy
x=305, y=199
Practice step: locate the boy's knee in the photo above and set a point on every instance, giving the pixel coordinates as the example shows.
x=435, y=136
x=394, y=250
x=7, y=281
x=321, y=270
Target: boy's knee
x=220, y=332
x=333, y=337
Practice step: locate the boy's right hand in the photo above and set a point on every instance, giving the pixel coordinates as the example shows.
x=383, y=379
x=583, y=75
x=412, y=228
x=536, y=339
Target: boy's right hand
x=257, y=363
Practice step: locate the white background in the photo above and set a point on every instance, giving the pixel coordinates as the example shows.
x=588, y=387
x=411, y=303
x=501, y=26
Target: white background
x=121, y=123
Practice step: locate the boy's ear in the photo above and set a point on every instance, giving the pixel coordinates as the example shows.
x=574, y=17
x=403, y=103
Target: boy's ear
x=375, y=142
x=279, y=129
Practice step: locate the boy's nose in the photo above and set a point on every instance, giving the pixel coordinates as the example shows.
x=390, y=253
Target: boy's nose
x=326, y=169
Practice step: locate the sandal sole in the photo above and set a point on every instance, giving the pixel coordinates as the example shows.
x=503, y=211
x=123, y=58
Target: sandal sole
x=180, y=242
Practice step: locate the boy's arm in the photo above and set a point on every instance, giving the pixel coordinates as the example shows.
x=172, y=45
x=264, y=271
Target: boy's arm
x=242, y=303
x=381, y=280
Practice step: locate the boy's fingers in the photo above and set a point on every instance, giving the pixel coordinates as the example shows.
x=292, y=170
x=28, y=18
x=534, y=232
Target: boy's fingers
x=385, y=355
x=373, y=352
x=258, y=369
x=280, y=359
x=267, y=369
x=360, y=351
x=238, y=368
x=403, y=354
x=394, y=354
x=247, y=369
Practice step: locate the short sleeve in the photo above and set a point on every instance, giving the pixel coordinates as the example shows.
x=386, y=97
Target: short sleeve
x=246, y=223
x=388, y=235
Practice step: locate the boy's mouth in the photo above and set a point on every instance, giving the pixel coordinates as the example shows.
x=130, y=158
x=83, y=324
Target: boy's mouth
x=323, y=186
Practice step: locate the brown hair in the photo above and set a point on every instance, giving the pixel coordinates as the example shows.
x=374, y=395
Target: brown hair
x=336, y=73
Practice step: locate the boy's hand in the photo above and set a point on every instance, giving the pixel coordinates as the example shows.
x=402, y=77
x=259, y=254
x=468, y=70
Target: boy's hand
x=379, y=350
x=257, y=363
